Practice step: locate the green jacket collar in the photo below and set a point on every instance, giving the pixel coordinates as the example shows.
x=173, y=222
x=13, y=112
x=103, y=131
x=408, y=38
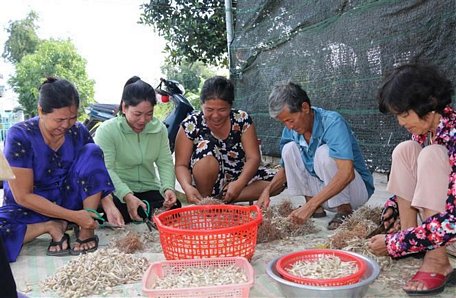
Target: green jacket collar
x=154, y=126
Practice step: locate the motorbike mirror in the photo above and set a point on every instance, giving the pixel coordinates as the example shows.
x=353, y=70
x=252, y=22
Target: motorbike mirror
x=164, y=98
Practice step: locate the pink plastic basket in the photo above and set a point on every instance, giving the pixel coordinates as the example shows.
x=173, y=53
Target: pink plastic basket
x=162, y=269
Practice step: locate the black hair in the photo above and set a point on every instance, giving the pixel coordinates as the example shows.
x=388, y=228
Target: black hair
x=56, y=93
x=417, y=87
x=287, y=94
x=218, y=87
x=136, y=91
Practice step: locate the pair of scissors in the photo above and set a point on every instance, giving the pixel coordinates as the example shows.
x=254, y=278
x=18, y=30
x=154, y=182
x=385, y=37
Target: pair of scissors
x=381, y=229
x=144, y=214
x=100, y=220
x=221, y=195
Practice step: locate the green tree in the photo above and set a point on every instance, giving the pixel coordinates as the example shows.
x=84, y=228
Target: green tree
x=22, y=39
x=188, y=74
x=195, y=29
x=191, y=76
x=52, y=58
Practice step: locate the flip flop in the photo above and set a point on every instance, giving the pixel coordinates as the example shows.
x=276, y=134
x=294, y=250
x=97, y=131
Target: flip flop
x=435, y=282
x=62, y=252
x=451, y=249
x=74, y=227
x=337, y=220
x=320, y=214
x=84, y=251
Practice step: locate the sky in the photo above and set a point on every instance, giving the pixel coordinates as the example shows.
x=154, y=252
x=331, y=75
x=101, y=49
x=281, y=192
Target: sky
x=105, y=33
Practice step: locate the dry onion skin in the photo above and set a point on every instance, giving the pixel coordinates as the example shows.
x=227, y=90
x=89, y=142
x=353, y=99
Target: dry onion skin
x=125, y=240
x=192, y=277
x=324, y=267
x=210, y=201
x=96, y=273
x=130, y=243
x=351, y=234
x=276, y=225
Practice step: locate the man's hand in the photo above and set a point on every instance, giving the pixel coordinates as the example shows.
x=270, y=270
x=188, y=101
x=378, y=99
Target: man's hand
x=133, y=203
x=377, y=245
x=302, y=214
x=274, y=187
x=264, y=200
x=170, y=199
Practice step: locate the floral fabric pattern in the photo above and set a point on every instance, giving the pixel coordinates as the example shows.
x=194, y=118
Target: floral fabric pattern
x=440, y=229
x=229, y=152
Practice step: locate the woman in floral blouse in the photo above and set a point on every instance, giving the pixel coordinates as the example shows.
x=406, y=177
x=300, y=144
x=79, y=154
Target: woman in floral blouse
x=217, y=152
x=423, y=175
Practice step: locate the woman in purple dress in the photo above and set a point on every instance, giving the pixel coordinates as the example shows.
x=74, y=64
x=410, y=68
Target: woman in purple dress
x=59, y=173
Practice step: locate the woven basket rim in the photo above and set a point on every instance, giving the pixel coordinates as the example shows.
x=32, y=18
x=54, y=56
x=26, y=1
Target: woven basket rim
x=162, y=227
x=320, y=281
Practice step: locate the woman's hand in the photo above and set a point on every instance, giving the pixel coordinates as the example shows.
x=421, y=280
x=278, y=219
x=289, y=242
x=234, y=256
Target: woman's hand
x=85, y=219
x=233, y=190
x=115, y=217
x=193, y=195
x=377, y=245
x=390, y=221
x=133, y=203
x=170, y=199
x=112, y=213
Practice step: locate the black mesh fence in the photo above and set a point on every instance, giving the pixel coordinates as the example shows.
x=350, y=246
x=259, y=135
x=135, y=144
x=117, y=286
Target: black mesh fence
x=338, y=50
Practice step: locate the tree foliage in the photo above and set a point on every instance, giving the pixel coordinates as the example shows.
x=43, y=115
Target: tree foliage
x=52, y=58
x=195, y=30
x=191, y=76
x=22, y=39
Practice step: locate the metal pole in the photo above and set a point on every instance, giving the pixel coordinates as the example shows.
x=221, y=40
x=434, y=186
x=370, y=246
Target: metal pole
x=229, y=29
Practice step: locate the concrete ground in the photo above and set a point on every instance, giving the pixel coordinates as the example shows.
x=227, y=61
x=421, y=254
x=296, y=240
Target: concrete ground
x=378, y=198
x=33, y=266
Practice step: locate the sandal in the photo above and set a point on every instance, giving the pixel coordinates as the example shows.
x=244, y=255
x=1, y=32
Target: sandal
x=337, y=220
x=62, y=252
x=435, y=282
x=451, y=249
x=319, y=214
x=84, y=251
x=74, y=227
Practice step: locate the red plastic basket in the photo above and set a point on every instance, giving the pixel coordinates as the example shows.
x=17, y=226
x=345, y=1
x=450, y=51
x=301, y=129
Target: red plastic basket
x=287, y=261
x=206, y=231
x=163, y=269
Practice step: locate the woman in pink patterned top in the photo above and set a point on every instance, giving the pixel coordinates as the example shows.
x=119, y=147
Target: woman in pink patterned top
x=423, y=175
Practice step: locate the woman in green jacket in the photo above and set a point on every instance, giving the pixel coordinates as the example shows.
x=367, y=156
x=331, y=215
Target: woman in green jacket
x=136, y=148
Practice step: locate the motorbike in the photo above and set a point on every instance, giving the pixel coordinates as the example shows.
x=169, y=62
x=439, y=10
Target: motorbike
x=167, y=91
x=174, y=91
